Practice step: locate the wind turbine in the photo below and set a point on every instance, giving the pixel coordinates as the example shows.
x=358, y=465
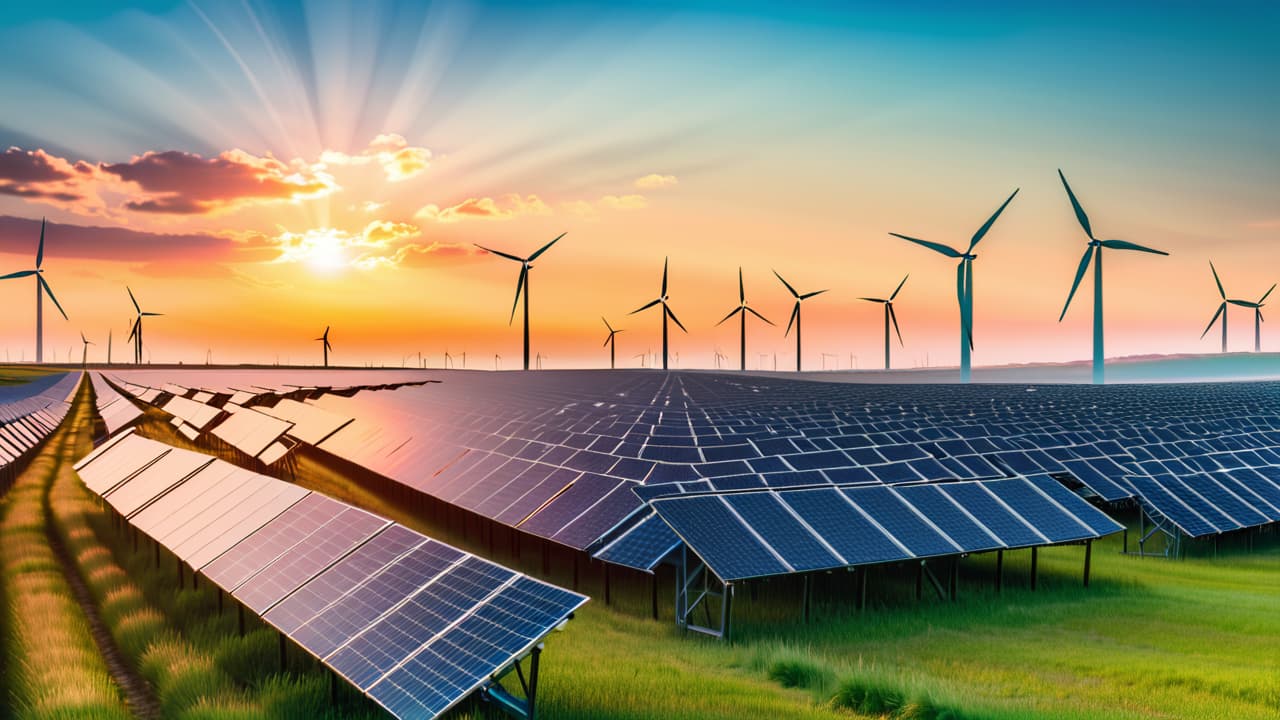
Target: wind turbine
x=522, y=285
x=964, y=282
x=666, y=312
x=42, y=289
x=1222, y=310
x=136, y=333
x=1096, y=245
x=889, y=315
x=795, y=313
x=84, y=359
x=611, y=342
x=742, y=311
x=324, y=344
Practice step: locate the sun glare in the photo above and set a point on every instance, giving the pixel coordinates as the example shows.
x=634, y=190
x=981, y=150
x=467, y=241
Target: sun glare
x=323, y=250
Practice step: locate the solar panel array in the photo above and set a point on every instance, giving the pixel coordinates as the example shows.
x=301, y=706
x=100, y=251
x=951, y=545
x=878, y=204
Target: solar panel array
x=30, y=412
x=415, y=624
x=583, y=458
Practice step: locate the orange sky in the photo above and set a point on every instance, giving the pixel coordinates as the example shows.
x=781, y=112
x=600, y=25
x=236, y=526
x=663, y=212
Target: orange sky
x=274, y=212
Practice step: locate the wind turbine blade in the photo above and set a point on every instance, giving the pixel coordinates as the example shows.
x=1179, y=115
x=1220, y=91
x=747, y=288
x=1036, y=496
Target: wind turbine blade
x=806, y=296
x=1125, y=245
x=742, y=291
x=753, y=312
x=874, y=300
x=83, y=338
x=794, y=312
x=894, y=317
x=1243, y=303
x=731, y=314
x=672, y=315
x=646, y=306
x=899, y=289
x=1264, y=297
x=327, y=346
x=49, y=291
x=606, y=340
x=936, y=247
x=524, y=270
x=982, y=231
x=1221, y=309
x=1080, y=271
x=960, y=288
x=499, y=253
x=1260, y=315
x=20, y=273
x=1075, y=204
x=1222, y=293
x=326, y=331
x=546, y=247
x=40, y=248
x=784, y=282
x=664, y=275
x=606, y=323
x=134, y=300
x=134, y=331
x=151, y=314
x=968, y=301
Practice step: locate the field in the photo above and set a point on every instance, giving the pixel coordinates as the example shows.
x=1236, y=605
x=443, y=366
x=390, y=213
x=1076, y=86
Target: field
x=1194, y=638
x=19, y=374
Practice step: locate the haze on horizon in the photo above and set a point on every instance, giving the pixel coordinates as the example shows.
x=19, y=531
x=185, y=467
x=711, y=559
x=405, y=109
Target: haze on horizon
x=259, y=171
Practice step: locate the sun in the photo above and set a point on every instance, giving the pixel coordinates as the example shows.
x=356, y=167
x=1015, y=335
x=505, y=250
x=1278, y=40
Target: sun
x=323, y=250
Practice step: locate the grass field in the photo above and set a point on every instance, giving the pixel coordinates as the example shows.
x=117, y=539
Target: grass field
x=1194, y=638
x=19, y=374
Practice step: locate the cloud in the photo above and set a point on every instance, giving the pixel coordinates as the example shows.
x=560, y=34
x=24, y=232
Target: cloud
x=38, y=175
x=508, y=206
x=399, y=160
x=588, y=209
x=381, y=243
x=381, y=233
x=416, y=255
x=20, y=235
x=368, y=206
x=653, y=181
x=624, y=202
x=187, y=184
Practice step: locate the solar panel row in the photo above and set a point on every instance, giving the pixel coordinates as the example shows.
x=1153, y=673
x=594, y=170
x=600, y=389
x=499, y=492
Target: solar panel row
x=115, y=410
x=414, y=623
x=771, y=532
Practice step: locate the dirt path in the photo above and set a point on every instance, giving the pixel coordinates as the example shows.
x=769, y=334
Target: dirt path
x=137, y=691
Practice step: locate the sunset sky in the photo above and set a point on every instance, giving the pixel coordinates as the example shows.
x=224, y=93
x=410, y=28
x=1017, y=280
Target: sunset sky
x=257, y=171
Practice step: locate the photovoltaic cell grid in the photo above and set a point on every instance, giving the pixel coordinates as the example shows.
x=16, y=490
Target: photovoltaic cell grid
x=415, y=624
x=771, y=532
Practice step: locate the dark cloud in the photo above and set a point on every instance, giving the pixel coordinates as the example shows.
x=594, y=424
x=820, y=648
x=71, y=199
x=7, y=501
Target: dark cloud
x=19, y=236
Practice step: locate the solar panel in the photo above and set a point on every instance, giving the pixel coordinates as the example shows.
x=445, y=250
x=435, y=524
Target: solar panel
x=272, y=540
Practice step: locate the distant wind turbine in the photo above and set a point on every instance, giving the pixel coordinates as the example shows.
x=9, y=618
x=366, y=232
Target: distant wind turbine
x=964, y=282
x=889, y=315
x=324, y=344
x=795, y=313
x=42, y=289
x=522, y=286
x=1222, y=310
x=84, y=359
x=666, y=312
x=1095, y=246
x=742, y=311
x=611, y=341
x=136, y=333
x=108, y=347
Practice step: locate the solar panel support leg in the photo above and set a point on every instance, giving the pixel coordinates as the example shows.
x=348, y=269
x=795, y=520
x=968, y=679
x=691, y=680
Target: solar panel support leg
x=1035, y=559
x=726, y=613
x=806, y=595
x=533, y=681
x=999, y=570
x=953, y=580
x=653, y=593
x=1126, y=541
x=920, y=581
x=1088, y=558
x=862, y=589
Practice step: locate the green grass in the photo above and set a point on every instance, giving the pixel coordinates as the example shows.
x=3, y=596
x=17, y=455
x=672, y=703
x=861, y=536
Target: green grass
x=53, y=668
x=1193, y=638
